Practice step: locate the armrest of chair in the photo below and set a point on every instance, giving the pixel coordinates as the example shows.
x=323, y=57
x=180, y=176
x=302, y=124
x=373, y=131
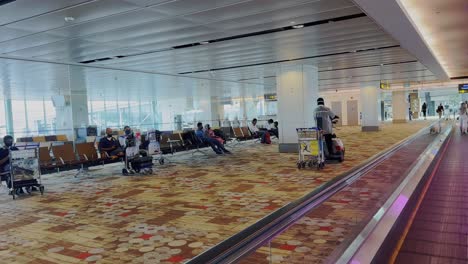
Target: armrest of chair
x=104, y=154
x=83, y=157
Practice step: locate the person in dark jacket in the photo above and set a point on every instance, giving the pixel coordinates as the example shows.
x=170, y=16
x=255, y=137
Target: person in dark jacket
x=424, y=110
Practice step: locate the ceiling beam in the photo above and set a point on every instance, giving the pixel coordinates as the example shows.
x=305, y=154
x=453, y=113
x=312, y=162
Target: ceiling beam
x=393, y=18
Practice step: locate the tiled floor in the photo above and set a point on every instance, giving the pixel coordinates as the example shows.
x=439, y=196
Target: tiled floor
x=439, y=233
x=323, y=233
x=173, y=215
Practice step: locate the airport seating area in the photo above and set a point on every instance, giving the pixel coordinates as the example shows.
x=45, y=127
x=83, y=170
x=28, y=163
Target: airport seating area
x=57, y=154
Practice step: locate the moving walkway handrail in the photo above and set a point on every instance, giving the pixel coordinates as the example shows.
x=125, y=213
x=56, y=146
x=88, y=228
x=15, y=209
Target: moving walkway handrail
x=264, y=230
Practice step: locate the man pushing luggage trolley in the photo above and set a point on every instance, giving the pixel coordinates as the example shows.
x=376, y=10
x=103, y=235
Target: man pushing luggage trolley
x=325, y=119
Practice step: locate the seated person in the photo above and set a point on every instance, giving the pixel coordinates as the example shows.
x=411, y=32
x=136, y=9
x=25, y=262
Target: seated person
x=110, y=145
x=217, y=147
x=271, y=128
x=256, y=132
x=211, y=134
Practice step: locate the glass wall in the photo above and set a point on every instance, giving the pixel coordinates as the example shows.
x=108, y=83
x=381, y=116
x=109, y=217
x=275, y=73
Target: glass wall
x=38, y=99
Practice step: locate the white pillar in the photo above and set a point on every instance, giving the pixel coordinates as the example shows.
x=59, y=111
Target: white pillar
x=79, y=104
x=370, y=106
x=297, y=90
x=400, y=106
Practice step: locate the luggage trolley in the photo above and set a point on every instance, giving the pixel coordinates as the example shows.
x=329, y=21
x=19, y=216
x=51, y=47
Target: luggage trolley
x=310, y=148
x=134, y=162
x=154, y=146
x=24, y=171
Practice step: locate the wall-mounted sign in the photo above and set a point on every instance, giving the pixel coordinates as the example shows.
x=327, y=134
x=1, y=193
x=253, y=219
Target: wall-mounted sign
x=463, y=88
x=385, y=85
x=270, y=97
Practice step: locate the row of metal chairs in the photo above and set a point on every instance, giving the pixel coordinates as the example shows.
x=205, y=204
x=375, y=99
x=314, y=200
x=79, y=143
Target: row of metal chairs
x=65, y=158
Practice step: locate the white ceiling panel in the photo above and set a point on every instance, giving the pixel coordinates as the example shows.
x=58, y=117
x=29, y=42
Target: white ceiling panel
x=141, y=30
x=241, y=9
x=146, y=3
x=81, y=13
x=60, y=47
x=27, y=42
x=183, y=7
x=109, y=23
x=24, y=9
x=256, y=23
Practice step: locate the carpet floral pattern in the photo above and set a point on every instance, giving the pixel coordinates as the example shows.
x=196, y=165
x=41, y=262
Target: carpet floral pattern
x=183, y=209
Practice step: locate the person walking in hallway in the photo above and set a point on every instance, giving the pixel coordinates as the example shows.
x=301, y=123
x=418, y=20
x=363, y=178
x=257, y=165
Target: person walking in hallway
x=440, y=110
x=424, y=110
x=463, y=118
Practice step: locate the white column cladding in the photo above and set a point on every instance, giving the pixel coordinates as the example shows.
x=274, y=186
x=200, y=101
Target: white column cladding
x=297, y=90
x=370, y=95
x=400, y=106
x=79, y=103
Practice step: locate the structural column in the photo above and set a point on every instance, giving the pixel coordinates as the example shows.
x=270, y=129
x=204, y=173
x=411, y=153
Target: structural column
x=297, y=90
x=370, y=106
x=400, y=106
x=9, y=117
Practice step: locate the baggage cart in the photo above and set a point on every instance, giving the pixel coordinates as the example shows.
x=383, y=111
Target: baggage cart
x=311, y=148
x=154, y=146
x=24, y=171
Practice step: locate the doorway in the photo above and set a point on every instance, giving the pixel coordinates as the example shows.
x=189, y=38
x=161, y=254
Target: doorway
x=353, y=115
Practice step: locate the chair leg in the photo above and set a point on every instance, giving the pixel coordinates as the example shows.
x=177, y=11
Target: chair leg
x=82, y=172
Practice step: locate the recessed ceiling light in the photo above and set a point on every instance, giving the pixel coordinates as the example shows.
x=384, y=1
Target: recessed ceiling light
x=69, y=19
x=204, y=42
x=298, y=26
x=292, y=22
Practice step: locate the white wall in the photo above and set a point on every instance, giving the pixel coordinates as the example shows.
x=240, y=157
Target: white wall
x=342, y=97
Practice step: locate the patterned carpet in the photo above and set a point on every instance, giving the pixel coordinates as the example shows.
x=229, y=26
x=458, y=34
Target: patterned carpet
x=173, y=215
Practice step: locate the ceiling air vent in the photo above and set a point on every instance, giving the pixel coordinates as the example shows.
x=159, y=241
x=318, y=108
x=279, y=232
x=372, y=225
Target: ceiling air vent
x=4, y=2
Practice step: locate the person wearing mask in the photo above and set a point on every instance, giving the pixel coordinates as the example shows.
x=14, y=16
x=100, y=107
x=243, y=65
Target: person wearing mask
x=440, y=110
x=217, y=147
x=110, y=145
x=324, y=117
x=271, y=128
x=424, y=110
x=463, y=118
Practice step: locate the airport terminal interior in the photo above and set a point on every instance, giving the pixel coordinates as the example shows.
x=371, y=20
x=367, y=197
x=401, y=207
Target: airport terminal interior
x=233, y=131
